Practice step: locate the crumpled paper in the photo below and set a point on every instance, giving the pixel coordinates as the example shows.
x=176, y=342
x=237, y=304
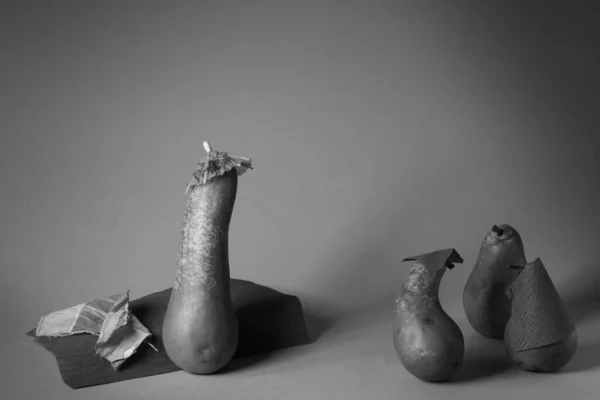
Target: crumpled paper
x=119, y=332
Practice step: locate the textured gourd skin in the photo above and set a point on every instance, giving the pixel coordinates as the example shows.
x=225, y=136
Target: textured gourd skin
x=428, y=342
x=200, y=329
x=484, y=299
x=549, y=358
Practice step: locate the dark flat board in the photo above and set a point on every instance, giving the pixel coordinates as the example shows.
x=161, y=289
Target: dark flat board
x=268, y=321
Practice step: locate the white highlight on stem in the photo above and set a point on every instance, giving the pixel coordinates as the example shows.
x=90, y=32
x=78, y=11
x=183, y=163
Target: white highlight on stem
x=208, y=151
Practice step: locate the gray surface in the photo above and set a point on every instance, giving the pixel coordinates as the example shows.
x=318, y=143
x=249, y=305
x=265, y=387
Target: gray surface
x=353, y=359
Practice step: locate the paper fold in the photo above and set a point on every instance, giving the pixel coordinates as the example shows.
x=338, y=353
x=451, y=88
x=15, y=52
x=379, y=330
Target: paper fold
x=119, y=332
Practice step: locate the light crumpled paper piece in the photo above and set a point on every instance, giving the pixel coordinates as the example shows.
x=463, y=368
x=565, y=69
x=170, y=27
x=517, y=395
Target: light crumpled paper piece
x=120, y=332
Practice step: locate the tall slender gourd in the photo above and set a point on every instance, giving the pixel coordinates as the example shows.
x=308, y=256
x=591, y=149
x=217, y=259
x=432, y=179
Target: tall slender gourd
x=484, y=300
x=200, y=329
x=428, y=342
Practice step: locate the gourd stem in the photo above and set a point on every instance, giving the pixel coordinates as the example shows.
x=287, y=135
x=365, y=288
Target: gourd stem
x=497, y=230
x=208, y=151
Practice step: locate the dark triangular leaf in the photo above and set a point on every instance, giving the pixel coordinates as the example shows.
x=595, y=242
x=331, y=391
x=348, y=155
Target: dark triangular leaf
x=436, y=260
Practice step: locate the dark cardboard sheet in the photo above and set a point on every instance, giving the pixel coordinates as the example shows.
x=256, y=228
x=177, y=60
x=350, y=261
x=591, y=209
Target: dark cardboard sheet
x=268, y=321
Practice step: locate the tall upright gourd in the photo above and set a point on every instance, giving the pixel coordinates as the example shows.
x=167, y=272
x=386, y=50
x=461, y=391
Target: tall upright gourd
x=200, y=329
x=428, y=342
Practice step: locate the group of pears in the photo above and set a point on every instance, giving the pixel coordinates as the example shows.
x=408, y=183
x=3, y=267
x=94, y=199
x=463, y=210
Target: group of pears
x=505, y=298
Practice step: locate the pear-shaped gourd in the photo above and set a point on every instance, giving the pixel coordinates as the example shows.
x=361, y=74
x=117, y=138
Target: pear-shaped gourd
x=428, y=342
x=200, y=329
x=540, y=336
x=484, y=300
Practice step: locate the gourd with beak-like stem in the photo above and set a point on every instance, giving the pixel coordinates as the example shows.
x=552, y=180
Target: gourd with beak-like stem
x=428, y=342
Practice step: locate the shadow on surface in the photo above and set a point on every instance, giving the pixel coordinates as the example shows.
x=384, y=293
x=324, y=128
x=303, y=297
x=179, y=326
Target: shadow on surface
x=579, y=291
x=483, y=359
x=239, y=364
x=583, y=311
x=316, y=324
x=586, y=358
x=587, y=289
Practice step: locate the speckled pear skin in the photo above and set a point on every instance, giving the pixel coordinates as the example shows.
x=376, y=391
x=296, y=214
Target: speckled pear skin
x=484, y=300
x=540, y=336
x=429, y=344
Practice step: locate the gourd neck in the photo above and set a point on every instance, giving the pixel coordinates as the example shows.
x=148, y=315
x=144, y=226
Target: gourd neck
x=204, y=247
x=214, y=201
x=423, y=285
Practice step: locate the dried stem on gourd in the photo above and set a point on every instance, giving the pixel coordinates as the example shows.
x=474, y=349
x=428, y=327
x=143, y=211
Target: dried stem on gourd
x=217, y=163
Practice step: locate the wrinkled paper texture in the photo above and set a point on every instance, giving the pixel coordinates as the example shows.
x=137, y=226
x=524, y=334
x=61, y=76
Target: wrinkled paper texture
x=120, y=332
x=538, y=312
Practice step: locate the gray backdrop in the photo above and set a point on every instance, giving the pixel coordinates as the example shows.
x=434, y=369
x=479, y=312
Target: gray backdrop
x=379, y=130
